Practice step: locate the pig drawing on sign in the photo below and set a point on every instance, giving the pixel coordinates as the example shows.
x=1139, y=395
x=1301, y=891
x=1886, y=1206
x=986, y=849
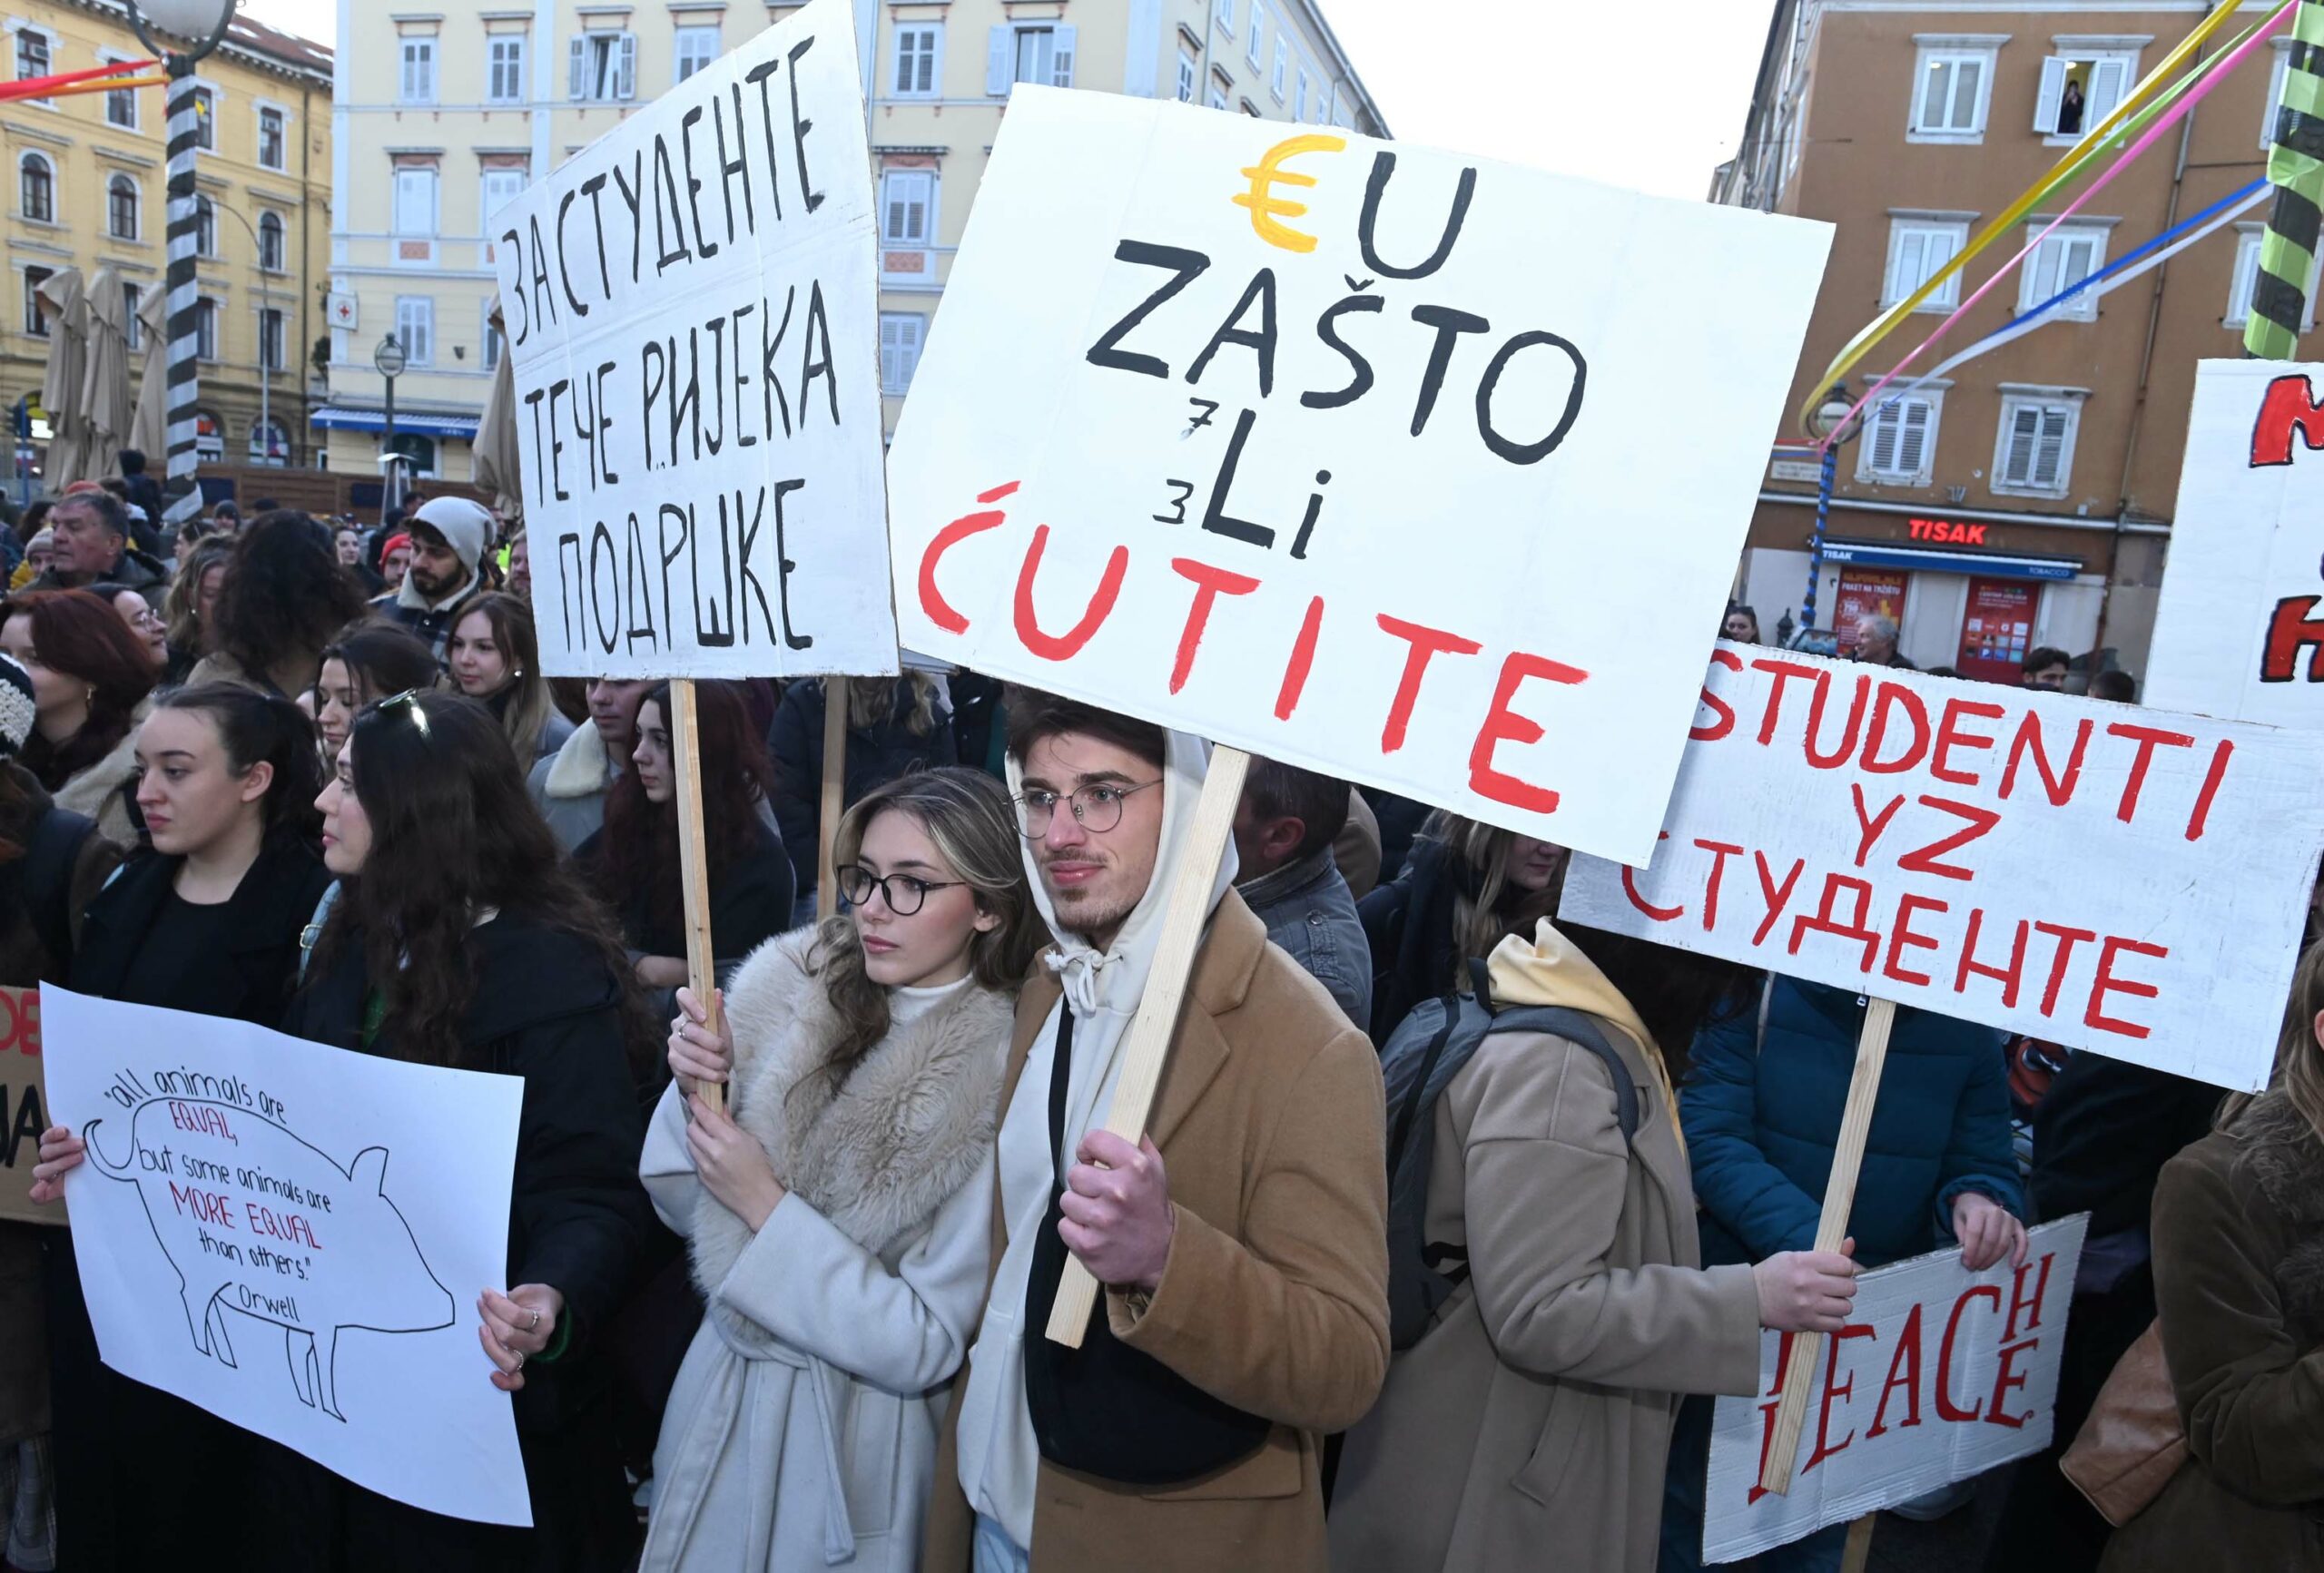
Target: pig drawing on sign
x=253, y=1219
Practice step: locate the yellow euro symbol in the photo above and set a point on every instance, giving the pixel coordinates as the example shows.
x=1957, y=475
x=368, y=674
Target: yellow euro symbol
x=1266, y=206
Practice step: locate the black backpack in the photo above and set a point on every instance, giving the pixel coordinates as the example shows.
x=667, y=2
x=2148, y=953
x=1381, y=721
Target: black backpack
x=1418, y=1063
x=46, y=873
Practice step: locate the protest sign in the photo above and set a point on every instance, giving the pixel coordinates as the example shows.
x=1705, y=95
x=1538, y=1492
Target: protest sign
x=22, y=1109
x=1381, y=481
x=2239, y=631
x=1940, y=1374
x=294, y=1237
x=694, y=323
x=2097, y=875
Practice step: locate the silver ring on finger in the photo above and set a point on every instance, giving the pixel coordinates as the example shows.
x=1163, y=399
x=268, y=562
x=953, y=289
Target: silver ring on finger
x=535, y=1323
x=520, y=1361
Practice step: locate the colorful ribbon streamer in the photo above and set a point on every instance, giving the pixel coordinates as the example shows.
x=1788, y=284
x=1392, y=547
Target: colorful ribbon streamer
x=2085, y=151
x=2296, y=167
x=65, y=83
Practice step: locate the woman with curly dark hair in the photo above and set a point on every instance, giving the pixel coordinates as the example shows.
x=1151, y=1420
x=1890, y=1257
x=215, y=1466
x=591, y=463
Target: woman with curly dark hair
x=459, y=938
x=634, y=861
x=367, y=662
x=283, y=597
x=91, y=682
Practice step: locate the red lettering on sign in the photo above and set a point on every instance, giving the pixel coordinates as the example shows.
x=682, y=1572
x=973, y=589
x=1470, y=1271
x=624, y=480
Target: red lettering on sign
x=1426, y=644
x=1721, y=852
x=2019, y=1300
x=2212, y=779
x=2292, y=627
x=1718, y=707
x=1908, y=1360
x=2149, y=738
x=1852, y=929
x=1902, y=935
x=2029, y=739
x=1923, y=860
x=2288, y=406
x=1776, y=896
x=2005, y=1377
x=2067, y=939
x=1629, y=889
x=1869, y=827
x=1767, y=1418
x=1504, y=725
x=2107, y=983
x=20, y=1020
x=209, y=1206
x=1947, y=531
x=1209, y=583
x=939, y=611
x=1946, y=1409
x=1817, y=758
x=1892, y=695
x=1782, y=672
x=1949, y=736
x=1834, y=1388
x=2008, y=977
x=1303, y=656
x=1064, y=647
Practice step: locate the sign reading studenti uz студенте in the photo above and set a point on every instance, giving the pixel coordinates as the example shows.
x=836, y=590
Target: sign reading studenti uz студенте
x=693, y=315
x=2239, y=630
x=1940, y=1374
x=1406, y=467
x=2102, y=876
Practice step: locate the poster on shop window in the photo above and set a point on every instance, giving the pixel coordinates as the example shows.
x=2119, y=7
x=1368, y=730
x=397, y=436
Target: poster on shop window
x=694, y=325
x=2101, y=876
x=1940, y=1374
x=2238, y=629
x=295, y=1238
x=1396, y=464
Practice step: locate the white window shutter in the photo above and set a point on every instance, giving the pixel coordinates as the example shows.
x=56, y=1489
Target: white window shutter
x=1939, y=253
x=1912, y=249
x=2108, y=83
x=1913, y=446
x=1061, y=60
x=1883, y=450
x=2052, y=97
x=2051, y=449
x=2025, y=432
x=1968, y=85
x=1000, y=60
x=626, y=83
x=1937, y=95
x=905, y=38
x=576, y=54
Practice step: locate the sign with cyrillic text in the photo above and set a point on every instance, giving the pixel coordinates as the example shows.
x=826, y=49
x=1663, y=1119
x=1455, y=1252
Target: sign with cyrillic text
x=1940, y=1374
x=1336, y=450
x=22, y=1106
x=295, y=1238
x=2097, y=875
x=692, y=317
x=2238, y=629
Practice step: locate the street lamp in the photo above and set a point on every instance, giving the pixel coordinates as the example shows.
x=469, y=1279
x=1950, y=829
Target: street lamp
x=188, y=30
x=1829, y=420
x=390, y=360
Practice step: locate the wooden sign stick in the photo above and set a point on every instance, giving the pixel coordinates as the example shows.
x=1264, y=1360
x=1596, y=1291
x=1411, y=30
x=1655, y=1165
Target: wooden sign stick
x=1857, y=1557
x=1158, y=1013
x=1831, y=1232
x=693, y=862
x=834, y=799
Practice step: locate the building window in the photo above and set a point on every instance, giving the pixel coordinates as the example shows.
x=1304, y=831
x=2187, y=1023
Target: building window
x=2275, y=93
x=269, y=443
x=121, y=103
x=501, y=187
x=1186, y=77
x=205, y=227
x=2035, y=451
x=505, y=83
x=1222, y=12
x=270, y=338
x=907, y=207
x=36, y=188
x=205, y=120
x=1042, y=54
x=2247, y=280
x=900, y=338
x=274, y=140
x=1219, y=83
x=917, y=73
x=35, y=309
x=1954, y=86
x=132, y=298
x=414, y=212
x=120, y=208
x=1258, y=27
x=205, y=330
x=35, y=50
x=1306, y=93
x=2068, y=257
x=602, y=68
x=274, y=253
x=697, y=48
x=2079, y=90
x=1281, y=83
x=416, y=328
x=418, y=81
x=495, y=344
x=1917, y=248
x=1899, y=443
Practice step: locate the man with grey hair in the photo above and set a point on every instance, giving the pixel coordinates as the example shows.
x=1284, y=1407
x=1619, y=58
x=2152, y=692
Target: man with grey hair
x=91, y=546
x=1876, y=642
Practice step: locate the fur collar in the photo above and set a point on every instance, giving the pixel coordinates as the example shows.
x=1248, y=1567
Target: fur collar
x=907, y=1129
x=581, y=768
x=2284, y=1158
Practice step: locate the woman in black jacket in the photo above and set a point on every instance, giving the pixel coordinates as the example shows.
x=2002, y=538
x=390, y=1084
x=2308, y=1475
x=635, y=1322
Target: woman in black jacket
x=894, y=725
x=634, y=861
x=207, y=921
x=460, y=938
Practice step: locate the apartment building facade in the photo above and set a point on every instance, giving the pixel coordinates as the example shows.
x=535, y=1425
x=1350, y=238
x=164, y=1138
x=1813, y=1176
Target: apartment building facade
x=2024, y=498
x=89, y=191
x=446, y=110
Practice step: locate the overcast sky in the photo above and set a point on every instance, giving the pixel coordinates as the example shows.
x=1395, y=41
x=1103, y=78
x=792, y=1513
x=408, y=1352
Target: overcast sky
x=1585, y=88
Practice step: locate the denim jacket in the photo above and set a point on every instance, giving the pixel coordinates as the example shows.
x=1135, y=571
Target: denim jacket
x=1309, y=912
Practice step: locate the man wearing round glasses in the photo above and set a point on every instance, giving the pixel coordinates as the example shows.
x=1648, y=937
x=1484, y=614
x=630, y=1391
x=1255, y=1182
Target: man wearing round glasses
x=1242, y=1244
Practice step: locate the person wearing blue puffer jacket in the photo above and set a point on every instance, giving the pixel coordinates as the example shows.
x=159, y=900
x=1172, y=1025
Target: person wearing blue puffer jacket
x=1761, y=1108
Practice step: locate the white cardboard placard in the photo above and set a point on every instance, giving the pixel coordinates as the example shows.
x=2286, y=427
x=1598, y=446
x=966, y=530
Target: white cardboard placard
x=294, y=1237
x=2239, y=630
x=1394, y=464
x=694, y=316
x=1940, y=1374
x=2102, y=876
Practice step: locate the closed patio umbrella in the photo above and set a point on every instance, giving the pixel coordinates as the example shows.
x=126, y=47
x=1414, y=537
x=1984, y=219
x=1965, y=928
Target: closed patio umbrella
x=66, y=303
x=105, y=407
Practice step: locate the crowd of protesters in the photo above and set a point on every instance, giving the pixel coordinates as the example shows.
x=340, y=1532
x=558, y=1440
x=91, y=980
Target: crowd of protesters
x=314, y=777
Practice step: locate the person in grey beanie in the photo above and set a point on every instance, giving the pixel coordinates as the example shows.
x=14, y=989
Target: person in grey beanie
x=449, y=539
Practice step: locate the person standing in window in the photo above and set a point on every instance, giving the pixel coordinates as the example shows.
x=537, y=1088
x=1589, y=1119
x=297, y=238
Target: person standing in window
x=2070, y=110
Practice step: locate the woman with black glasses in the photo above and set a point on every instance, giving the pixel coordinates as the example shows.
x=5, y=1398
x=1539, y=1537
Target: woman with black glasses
x=839, y=1209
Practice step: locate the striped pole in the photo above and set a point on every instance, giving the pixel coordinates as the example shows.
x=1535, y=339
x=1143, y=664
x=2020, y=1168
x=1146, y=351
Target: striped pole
x=2296, y=167
x=185, y=295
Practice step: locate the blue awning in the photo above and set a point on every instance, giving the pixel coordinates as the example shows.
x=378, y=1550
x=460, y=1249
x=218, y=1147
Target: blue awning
x=338, y=418
x=1993, y=565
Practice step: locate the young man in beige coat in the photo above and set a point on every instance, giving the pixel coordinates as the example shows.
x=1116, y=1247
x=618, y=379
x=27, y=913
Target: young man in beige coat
x=1242, y=1244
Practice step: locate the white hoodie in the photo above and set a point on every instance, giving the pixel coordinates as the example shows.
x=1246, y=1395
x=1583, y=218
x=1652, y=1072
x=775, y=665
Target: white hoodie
x=999, y=1458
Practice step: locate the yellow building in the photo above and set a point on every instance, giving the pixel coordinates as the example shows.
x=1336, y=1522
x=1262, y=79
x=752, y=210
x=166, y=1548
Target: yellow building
x=90, y=190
